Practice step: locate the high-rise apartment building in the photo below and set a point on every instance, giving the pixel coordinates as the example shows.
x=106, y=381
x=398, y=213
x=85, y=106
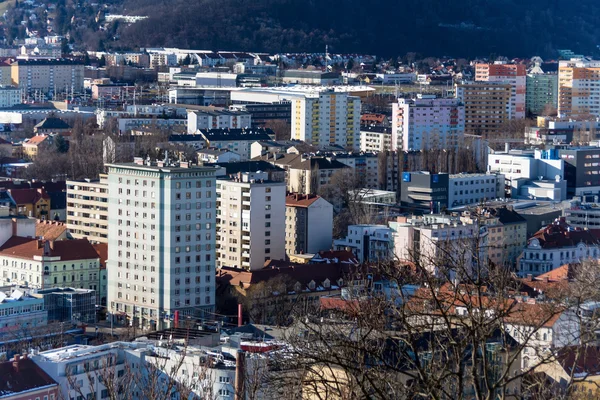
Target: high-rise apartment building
x=542, y=91
x=87, y=209
x=327, y=117
x=251, y=222
x=513, y=74
x=427, y=122
x=486, y=106
x=161, y=253
x=59, y=75
x=578, y=88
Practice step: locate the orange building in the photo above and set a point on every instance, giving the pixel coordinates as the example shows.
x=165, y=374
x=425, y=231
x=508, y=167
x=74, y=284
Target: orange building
x=579, y=88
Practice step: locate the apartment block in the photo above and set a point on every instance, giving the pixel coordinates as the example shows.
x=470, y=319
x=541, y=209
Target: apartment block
x=161, y=240
x=474, y=188
x=487, y=107
x=217, y=118
x=87, y=209
x=251, y=220
x=542, y=91
x=48, y=76
x=513, y=74
x=427, y=122
x=578, y=88
x=369, y=243
x=308, y=224
x=10, y=96
x=375, y=138
x=326, y=118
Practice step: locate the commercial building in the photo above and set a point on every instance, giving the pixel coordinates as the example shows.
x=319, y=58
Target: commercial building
x=578, y=88
x=46, y=264
x=326, y=117
x=64, y=304
x=161, y=221
x=555, y=245
x=48, y=76
x=251, y=220
x=264, y=113
x=513, y=74
x=427, y=122
x=474, y=188
x=310, y=77
x=487, y=107
x=217, y=118
x=424, y=191
x=19, y=310
x=542, y=91
x=375, y=139
x=308, y=224
x=581, y=170
x=87, y=209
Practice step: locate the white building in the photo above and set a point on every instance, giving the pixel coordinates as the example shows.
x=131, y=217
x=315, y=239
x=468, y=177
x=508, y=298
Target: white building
x=427, y=122
x=474, y=188
x=375, y=139
x=214, y=118
x=237, y=140
x=161, y=240
x=19, y=310
x=308, y=224
x=555, y=245
x=251, y=223
x=430, y=239
x=368, y=242
x=10, y=96
x=326, y=118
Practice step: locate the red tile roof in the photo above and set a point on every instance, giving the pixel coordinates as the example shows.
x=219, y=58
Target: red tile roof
x=50, y=230
x=27, y=376
x=102, y=250
x=536, y=315
x=28, y=196
x=560, y=234
x=67, y=250
x=36, y=140
x=377, y=118
x=301, y=200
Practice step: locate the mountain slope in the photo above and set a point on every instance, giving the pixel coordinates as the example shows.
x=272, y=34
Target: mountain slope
x=431, y=27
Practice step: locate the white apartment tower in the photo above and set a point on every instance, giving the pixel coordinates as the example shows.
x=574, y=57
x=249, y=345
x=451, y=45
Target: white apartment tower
x=251, y=220
x=427, y=122
x=327, y=118
x=161, y=249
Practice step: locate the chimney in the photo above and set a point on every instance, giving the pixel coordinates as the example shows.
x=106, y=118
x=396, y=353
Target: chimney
x=240, y=375
x=51, y=244
x=530, y=277
x=16, y=362
x=39, y=244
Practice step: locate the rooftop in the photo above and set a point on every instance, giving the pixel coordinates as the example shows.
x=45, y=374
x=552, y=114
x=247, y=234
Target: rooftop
x=50, y=230
x=66, y=250
x=22, y=375
x=301, y=200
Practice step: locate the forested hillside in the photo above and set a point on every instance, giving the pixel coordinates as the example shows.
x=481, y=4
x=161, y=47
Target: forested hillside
x=386, y=27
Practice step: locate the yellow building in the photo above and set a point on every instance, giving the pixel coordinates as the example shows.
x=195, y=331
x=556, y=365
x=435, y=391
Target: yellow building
x=31, y=202
x=578, y=86
x=46, y=76
x=31, y=148
x=327, y=118
x=5, y=74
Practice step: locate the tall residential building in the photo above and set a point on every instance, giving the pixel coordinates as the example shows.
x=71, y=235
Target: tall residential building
x=542, y=90
x=375, y=139
x=513, y=74
x=427, y=122
x=87, y=209
x=486, y=105
x=161, y=253
x=325, y=118
x=308, y=224
x=578, y=88
x=251, y=223
x=47, y=76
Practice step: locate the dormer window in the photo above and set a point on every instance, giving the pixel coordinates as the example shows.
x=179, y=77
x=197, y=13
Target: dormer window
x=340, y=282
x=311, y=285
x=326, y=283
x=297, y=287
